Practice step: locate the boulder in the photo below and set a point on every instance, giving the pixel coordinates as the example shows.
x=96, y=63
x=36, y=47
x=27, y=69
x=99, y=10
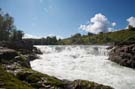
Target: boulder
x=6, y=53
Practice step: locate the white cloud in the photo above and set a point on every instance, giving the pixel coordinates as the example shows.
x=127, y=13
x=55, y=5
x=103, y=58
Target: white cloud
x=131, y=21
x=98, y=23
x=114, y=24
x=31, y=36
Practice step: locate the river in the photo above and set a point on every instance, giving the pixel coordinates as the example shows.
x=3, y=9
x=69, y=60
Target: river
x=87, y=62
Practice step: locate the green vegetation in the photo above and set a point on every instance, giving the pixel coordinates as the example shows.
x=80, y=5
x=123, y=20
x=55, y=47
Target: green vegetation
x=38, y=80
x=44, y=41
x=8, y=81
x=8, y=30
x=102, y=38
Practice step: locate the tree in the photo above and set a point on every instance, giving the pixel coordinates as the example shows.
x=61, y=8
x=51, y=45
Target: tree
x=76, y=35
x=51, y=40
x=101, y=32
x=7, y=29
x=54, y=40
x=90, y=34
x=16, y=35
x=6, y=25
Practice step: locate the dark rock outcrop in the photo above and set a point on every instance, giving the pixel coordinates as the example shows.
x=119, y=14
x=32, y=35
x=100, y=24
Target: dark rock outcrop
x=12, y=57
x=6, y=53
x=36, y=51
x=25, y=47
x=123, y=54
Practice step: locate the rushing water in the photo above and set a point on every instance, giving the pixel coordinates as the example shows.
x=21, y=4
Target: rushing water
x=83, y=62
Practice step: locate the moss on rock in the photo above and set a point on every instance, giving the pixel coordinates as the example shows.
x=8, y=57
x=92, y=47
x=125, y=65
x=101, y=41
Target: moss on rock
x=83, y=84
x=39, y=80
x=8, y=81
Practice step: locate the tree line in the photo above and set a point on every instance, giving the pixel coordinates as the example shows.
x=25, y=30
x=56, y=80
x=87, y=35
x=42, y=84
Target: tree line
x=44, y=41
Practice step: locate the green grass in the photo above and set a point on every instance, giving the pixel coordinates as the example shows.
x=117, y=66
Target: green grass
x=104, y=38
x=8, y=81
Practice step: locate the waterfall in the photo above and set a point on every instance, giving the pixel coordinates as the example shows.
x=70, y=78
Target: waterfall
x=92, y=50
x=87, y=62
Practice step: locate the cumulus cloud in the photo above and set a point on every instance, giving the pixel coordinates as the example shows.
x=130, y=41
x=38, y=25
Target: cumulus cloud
x=98, y=23
x=131, y=21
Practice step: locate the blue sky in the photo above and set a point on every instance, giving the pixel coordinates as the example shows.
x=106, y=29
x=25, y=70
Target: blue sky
x=64, y=17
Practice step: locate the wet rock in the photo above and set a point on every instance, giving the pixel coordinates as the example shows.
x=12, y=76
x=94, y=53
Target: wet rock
x=83, y=84
x=36, y=51
x=123, y=54
x=110, y=47
x=32, y=57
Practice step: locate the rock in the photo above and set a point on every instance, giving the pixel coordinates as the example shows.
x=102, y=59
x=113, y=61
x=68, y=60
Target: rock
x=32, y=57
x=9, y=81
x=6, y=53
x=23, y=61
x=83, y=84
x=36, y=51
x=13, y=68
x=123, y=54
x=23, y=46
x=43, y=81
x=110, y=47
x=1, y=83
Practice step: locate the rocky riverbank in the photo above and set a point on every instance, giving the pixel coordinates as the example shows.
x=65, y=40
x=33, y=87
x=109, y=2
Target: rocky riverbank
x=123, y=54
x=16, y=73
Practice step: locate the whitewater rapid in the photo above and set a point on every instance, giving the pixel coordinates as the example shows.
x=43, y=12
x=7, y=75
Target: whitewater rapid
x=83, y=62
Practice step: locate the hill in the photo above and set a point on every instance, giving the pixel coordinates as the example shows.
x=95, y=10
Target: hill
x=101, y=38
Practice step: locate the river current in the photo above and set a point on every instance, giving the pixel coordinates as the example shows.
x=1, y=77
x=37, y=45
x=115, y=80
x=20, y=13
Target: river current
x=86, y=62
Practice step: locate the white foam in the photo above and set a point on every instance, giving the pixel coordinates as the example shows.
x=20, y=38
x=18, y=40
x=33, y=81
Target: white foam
x=83, y=62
